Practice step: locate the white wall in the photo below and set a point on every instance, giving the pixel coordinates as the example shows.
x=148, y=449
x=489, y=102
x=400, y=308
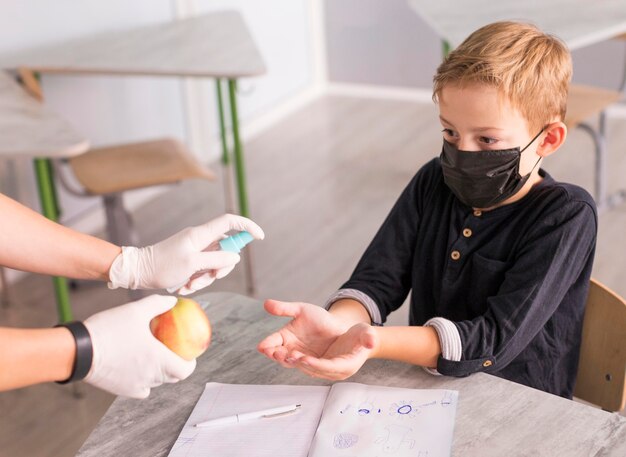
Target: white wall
x=282, y=32
x=111, y=110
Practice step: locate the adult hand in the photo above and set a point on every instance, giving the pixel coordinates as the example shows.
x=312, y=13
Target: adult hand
x=316, y=342
x=186, y=262
x=127, y=359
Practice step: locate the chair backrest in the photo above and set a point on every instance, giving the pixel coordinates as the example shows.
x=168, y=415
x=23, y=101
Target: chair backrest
x=602, y=365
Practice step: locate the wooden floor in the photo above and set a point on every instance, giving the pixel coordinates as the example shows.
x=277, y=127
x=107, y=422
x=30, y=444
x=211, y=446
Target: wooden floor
x=320, y=184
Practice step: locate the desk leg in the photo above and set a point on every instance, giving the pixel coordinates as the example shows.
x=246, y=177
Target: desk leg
x=50, y=209
x=226, y=159
x=605, y=201
x=238, y=151
x=241, y=179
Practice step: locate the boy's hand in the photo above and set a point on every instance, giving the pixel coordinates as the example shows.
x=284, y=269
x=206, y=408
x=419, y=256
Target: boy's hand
x=344, y=357
x=311, y=332
x=316, y=342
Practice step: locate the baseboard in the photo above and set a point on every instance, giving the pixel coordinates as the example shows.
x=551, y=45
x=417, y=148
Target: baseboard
x=380, y=92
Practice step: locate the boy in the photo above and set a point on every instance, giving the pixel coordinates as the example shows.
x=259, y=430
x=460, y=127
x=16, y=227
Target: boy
x=497, y=254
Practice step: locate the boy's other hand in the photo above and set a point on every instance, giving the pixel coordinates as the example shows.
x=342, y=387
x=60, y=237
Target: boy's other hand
x=311, y=331
x=316, y=342
x=344, y=357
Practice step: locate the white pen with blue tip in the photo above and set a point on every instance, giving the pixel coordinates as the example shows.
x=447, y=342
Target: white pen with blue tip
x=263, y=414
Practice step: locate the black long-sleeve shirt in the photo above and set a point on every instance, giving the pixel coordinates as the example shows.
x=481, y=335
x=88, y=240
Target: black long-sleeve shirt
x=512, y=280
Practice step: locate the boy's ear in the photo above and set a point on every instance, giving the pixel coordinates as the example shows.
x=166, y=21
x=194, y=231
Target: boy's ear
x=554, y=137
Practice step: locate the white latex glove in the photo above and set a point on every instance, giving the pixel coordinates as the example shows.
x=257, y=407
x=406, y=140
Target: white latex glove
x=191, y=257
x=127, y=359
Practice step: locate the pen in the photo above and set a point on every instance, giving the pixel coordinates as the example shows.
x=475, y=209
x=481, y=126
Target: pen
x=263, y=414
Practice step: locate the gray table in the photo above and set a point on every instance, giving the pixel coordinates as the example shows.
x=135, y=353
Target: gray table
x=579, y=23
x=494, y=418
x=29, y=129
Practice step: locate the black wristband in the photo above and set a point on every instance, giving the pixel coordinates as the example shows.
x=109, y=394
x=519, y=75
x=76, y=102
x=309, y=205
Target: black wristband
x=84, y=351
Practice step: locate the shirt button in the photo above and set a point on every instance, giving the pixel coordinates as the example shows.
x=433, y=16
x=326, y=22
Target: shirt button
x=487, y=363
x=456, y=255
x=478, y=213
x=467, y=233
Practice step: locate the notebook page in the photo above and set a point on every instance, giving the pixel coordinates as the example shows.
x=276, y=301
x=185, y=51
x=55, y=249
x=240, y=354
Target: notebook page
x=361, y=421
x=286, y=436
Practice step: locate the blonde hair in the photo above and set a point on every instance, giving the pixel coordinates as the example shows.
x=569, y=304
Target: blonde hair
x=530, y=68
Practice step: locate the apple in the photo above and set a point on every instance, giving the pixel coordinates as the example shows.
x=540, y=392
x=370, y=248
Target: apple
x=185, y=329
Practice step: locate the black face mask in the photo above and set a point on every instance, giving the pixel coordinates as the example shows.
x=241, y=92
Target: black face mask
x=482, y=179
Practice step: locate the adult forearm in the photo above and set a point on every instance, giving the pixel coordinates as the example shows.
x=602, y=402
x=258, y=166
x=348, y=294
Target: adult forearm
x=32, y=356
x=30, y=242
x=415, y=345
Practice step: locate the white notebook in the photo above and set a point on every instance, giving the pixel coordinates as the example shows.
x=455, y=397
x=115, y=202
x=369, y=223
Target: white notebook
x=344, y=420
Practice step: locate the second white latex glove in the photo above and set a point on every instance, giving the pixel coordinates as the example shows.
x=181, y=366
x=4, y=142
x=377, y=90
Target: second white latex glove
x=127, y=359
x=188, y=257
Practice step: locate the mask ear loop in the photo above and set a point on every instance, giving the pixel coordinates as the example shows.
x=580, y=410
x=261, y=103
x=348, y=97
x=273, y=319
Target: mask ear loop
x=526, y=147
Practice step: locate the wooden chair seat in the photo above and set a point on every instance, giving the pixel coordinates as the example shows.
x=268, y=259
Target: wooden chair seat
x=601, y=376
x=124, y=167
x=586, y=101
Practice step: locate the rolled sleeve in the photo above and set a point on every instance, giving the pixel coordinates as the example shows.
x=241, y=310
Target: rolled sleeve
x=368, y=303
x=449, y=340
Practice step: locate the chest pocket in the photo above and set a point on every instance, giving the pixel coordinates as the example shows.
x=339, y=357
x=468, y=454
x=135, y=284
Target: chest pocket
x=486, y=276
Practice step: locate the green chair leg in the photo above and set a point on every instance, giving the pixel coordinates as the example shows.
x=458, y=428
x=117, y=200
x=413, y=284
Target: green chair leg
x=50, y=209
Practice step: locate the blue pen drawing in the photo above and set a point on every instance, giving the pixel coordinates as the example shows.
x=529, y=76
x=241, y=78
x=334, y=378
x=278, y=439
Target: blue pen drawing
x=365, y=408
x=403, y=408
x=395, y=438
x=345, y=440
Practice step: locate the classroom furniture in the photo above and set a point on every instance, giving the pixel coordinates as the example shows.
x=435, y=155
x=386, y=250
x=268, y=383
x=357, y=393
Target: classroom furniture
x=29, y=130
x=215, y=45
x=110, y=171
x=583, y=103
x=601, y=378
x=578, y=23
x=495, y=417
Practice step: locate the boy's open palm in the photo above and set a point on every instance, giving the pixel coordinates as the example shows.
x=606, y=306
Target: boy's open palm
x=344, y=357
x=316, y=342
x=311, y=331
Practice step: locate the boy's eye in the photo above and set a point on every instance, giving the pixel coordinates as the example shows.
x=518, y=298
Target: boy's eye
x=448, y=132
x=487, y=140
